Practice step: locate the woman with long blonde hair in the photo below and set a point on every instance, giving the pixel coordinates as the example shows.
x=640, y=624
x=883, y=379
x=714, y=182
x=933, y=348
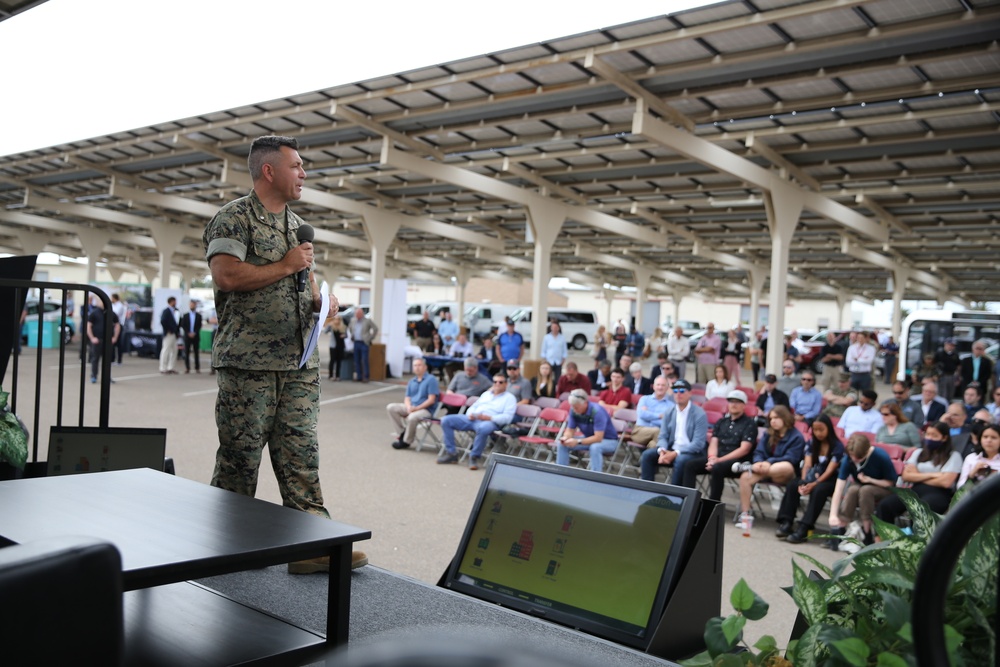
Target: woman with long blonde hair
x=601, y=341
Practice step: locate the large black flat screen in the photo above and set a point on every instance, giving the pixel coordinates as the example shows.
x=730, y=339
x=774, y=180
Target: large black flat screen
x=592, y=551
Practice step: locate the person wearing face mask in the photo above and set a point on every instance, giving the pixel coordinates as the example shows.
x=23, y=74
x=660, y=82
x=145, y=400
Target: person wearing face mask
x=932, y=469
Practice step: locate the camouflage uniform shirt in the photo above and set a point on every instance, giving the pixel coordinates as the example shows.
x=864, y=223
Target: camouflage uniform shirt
x=264, y=329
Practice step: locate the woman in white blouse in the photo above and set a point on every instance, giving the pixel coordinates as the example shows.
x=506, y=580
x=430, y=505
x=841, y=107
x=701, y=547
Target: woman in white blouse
x=721, y=385
x=980, y=465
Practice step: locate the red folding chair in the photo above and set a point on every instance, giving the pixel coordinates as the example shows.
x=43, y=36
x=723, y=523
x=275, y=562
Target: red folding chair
x=551, y=424
x=425, y=429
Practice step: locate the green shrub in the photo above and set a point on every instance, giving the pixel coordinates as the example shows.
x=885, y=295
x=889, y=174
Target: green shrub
x=859, y=613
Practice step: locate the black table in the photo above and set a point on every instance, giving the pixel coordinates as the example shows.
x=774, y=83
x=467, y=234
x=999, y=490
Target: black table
x=169, y=530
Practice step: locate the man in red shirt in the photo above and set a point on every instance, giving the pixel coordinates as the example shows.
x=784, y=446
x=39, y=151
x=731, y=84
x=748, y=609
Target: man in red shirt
x=617, y=395
x=572, y=379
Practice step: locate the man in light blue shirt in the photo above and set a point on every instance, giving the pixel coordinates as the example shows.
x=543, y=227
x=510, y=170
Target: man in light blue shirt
x=806, y=400
x=448, y=330
x=494, y=409
x=650, y=411
x=554, y=348
x=461, y=347
x=422, y=396
x=863, y=417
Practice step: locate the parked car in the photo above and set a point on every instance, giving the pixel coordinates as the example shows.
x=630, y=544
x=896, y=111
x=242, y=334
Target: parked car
x=51, y=312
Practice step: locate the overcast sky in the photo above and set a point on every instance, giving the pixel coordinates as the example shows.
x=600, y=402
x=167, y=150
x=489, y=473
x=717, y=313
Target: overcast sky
x=76, y=70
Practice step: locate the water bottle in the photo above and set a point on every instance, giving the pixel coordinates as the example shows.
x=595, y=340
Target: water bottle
x=747, y=524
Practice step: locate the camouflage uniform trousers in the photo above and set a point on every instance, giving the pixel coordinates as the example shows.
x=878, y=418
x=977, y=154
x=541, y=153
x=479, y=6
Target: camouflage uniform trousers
x=279, y=409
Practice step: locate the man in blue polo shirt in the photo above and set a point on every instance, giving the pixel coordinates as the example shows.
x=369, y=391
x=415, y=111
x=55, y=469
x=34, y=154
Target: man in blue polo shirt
x=510, y=344
x=589, y=429
x=422, y=395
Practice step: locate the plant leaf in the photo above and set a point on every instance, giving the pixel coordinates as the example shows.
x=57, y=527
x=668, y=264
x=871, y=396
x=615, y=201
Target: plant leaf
x=808, y=649
x=741, y=596
x=766, y=643
x=703, y=659
x=890, y=577
x=897, y=610
x=822, y=567
x=757, y=610
x=715, y=638
x=887, y=531
x=925, y=520
x=979, y=562
x=853, y=650
x=886, y=659
x=952, y=639
x=808, y=596
x=731, y=660
x=732, y=628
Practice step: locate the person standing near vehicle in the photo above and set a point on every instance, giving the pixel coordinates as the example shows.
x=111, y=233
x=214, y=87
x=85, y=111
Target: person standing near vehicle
x=95, y=334
x=120, y=309
x=168, y=353
x=265, y=397
x=554, y=348
x=191, y=326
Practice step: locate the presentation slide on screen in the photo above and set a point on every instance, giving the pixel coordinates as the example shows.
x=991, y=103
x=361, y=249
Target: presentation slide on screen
x=598, y=552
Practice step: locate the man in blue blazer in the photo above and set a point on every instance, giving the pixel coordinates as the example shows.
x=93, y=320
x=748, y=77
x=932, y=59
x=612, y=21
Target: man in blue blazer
x=683, y=436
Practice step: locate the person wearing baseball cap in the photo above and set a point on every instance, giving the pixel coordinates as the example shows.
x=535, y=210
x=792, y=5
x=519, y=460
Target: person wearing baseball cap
x=518, y=384
x=682, y=439
x=732, y=441
x=770, y=395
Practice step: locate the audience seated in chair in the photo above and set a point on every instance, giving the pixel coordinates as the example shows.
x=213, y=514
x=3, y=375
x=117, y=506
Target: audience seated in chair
x=683, y=436
x=820, y=464
x=874, y=478
x=732, y=442
x=776, y=458
x=419, y=403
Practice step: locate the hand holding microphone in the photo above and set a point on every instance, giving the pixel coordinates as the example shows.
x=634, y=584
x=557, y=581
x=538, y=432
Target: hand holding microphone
x=305, y=234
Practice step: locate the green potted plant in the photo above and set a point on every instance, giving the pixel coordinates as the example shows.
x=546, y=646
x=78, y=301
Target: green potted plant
x=858, y=611
x=13, y=440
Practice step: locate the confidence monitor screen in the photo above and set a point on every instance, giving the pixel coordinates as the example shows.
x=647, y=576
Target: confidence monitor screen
x=592, y=551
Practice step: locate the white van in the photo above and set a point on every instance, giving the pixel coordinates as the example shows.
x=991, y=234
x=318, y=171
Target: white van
x=577, y=325
x=479, y=317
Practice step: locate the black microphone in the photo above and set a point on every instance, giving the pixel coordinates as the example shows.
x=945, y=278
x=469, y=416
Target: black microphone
x=305, y=234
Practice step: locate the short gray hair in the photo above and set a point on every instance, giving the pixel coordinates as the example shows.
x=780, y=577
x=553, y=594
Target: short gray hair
x=471, y=362
x=635, y=367
x=578, y=396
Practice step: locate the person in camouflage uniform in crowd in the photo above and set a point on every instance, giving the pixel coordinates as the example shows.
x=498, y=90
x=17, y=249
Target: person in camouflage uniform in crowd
x=264, y=397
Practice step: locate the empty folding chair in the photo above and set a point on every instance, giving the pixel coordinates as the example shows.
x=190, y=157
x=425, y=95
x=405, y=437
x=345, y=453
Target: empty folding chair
x=425, y=430
x=551, y=424
x=546, y=402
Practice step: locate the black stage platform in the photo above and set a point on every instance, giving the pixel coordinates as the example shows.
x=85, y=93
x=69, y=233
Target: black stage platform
x=395, y=615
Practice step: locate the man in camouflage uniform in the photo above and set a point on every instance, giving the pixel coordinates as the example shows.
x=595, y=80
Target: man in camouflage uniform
x=264, y=397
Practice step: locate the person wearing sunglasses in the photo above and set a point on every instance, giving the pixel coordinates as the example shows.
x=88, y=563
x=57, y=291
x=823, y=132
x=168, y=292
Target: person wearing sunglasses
x=492, y=411
x=896, y=429
x=806, y=400
x=683, y=437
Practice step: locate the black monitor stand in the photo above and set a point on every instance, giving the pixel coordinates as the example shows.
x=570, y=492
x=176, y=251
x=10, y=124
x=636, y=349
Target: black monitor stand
x=697, y=597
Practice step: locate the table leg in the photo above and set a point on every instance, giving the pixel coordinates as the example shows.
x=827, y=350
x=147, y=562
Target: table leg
x=338, y=599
